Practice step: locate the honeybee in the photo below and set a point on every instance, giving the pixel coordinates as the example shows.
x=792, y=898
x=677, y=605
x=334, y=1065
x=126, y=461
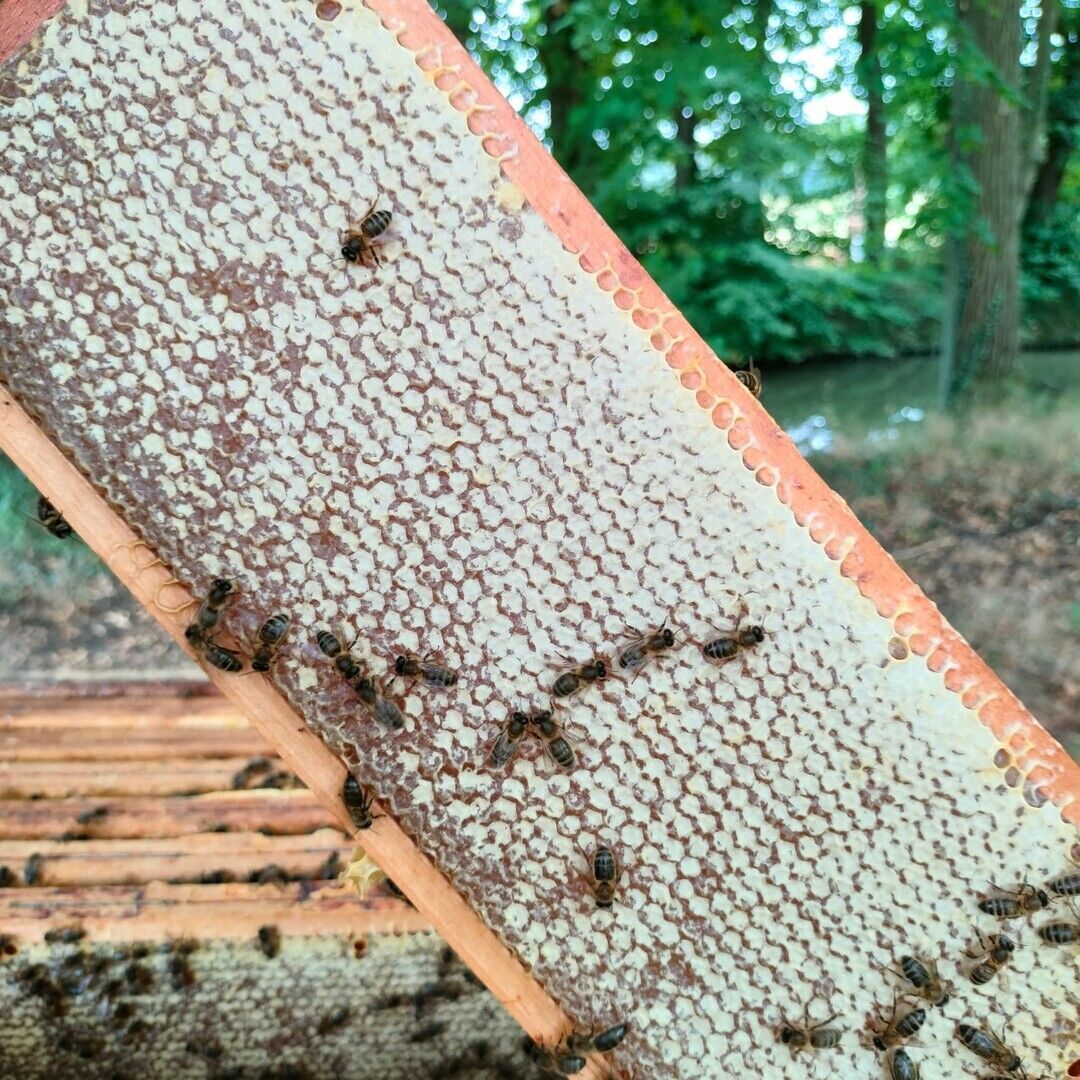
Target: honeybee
x=604, y=872
x=1027, y=900
x=206, y=618
x=901, y=1067
x=557, y=1061
x=556, y=744
x=506, y=745
x=898, y=1029
x=805, y=1035
x=32, y=869
x=426, y=670
x=243, y=777
x=270, y=941
x=996, y=950
x=574, y=679
x=645, y=647
x=727, y=646
x=388, y=714
x=750, y=377
x=601, y=1041
x=357, y=802
x=268, y=640
x=65, y=935
x=216, y=655
x=181, y=975
x=989, y=1047
x=1065, y=885
x=357, y=244
x=52, y=519
x=331, y=646
x=924, y=977
x=1062, y=932
x=371, y=694
x=334, y=1020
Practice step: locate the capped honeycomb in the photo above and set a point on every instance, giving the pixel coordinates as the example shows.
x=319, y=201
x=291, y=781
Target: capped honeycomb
x=477, y=451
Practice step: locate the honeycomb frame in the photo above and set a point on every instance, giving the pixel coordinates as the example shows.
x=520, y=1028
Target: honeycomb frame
x=631, y=444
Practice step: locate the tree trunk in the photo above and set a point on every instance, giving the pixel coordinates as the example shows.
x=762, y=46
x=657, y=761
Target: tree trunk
x=987, y=338
x=875, y=171
x=1033, y=130
x=1063, y=134
x=685, y=163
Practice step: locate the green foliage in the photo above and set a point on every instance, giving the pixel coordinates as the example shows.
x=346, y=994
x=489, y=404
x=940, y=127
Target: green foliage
x=1052, y=261
x=33, y=561
x=695, y=130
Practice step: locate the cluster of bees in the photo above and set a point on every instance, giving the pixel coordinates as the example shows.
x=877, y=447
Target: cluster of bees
x=631, y=659
x=927, y=987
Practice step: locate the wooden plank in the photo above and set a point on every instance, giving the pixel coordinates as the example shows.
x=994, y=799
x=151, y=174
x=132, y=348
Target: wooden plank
x=161, y=912
x=256, y=810
x=127, y=744
x=63, y=779
x=175, y=859
x=112, y=687
x=20, y=20
x=156, y=712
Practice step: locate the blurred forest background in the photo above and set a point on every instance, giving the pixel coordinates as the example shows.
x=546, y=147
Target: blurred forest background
x=877, y=202
x=813, y=179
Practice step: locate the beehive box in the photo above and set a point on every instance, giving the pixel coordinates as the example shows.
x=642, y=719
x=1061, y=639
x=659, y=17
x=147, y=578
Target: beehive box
x=501, y=446
x=170, y=906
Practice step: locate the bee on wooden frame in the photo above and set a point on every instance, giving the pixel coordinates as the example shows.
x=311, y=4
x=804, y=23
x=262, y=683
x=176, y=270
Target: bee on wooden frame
x=206, y=618
x=51, y=518
x=214, y=654
x=358, y=243
x=269, y=938
x=557, y=1060
x=601, y=1042
x=750, y=377
x=357, y=802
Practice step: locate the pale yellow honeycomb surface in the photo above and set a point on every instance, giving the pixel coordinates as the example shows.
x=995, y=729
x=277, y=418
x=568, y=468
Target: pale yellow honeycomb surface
x=400, y=1011
x=472, y=452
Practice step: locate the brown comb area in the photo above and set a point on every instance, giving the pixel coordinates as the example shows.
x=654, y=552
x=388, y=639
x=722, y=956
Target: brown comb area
x=471, y=451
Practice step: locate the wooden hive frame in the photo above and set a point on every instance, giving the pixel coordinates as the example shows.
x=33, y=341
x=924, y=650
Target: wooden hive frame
x=1038, y=767
x=81, y=901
